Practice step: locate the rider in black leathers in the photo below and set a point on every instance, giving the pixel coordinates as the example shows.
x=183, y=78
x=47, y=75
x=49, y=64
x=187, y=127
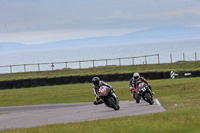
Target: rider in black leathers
x=136, y=77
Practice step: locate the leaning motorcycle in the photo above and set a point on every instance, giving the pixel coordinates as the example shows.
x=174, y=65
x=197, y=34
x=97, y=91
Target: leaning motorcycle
x=143, y=91
x=109, y=99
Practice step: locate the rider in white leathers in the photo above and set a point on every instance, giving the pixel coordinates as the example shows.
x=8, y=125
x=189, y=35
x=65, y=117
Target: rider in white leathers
x=97, y=83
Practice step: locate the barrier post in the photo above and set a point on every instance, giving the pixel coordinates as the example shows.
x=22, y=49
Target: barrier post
x=145, y=59
x=133, y=60
x=171, y=57
x=195, y=56
x=119, y=61
x=80, y=64
x=93, y=63
x=158, y=59
x=52, y=66
x=10, y=68
x=66, y=64
x=24, y=67
x=38, y=67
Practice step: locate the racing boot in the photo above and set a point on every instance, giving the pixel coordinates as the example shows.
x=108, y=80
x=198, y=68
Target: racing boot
x=97, y=101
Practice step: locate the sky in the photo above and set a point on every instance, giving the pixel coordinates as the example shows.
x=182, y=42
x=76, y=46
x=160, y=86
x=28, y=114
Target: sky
x=39, y=21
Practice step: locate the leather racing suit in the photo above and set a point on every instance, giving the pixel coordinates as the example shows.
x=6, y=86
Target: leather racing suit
x=96, y=91
x=133, y=84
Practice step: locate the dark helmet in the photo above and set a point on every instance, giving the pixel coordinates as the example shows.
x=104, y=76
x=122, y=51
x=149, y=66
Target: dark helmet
x=95, y=81
x=136, y=75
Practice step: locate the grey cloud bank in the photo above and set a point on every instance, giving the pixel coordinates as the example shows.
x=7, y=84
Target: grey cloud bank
x=18, y=16
x=158, y=34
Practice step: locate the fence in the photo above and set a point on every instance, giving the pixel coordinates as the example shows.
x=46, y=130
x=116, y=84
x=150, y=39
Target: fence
x=146, y=59
x=195, y=57
x=80, y=64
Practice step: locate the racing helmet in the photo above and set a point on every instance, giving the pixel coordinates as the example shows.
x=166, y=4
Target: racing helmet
x=95, y=81
x=136, y=76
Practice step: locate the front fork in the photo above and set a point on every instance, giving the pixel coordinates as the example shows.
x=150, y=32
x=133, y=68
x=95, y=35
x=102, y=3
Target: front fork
x=113, y=93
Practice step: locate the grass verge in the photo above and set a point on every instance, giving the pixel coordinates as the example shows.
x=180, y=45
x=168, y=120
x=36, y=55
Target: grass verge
x=181, y=98
x=178, y=66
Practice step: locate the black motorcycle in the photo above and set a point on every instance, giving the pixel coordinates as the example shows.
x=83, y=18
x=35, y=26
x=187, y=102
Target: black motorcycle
x=106, y=94
x=143, y=91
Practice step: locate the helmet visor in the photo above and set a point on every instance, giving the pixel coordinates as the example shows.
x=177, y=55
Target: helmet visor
x=136, y=77
x=96, y=83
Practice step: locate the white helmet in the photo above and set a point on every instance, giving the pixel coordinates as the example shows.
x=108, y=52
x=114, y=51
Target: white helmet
x=136, y=75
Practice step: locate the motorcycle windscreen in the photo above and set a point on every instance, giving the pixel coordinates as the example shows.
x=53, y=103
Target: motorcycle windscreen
x=142, y=87
x=104, y=91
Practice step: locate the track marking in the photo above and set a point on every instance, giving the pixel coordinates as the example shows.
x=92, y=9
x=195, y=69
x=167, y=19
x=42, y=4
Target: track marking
x=159, y=104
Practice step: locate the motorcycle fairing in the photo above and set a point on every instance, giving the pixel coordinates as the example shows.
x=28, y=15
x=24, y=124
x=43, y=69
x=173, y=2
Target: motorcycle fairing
x=104, y=91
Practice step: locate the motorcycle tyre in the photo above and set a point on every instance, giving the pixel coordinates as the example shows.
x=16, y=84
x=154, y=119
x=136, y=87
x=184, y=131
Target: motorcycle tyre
x=137, y=98
x=148, y=98
x=113, y=103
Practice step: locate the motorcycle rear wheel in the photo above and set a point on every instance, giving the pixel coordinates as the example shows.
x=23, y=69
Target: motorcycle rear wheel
x=137, y=98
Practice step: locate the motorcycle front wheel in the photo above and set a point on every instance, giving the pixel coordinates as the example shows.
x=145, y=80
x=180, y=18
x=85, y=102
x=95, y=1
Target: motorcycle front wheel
x=148, y=98
x=113, y=103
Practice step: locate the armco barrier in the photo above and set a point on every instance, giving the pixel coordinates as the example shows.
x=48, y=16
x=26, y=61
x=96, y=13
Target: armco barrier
x=34, y=83
x=51, y=81
x=128, y=76
x=26, y=83
x=59, y=80
x=113, y=77
x=145, y=75
x=159, y=75
x=67, y=80
x=152, y=75
x=75, y=79
x=83, y=79
x=9, y=84
x=86, y=78
x=196, y=74
x=18, y=84
x=105, y=78
x=42, y=81
x=166, y=75
x=2, y=85
x=89, y=78
x=121, y=77
x=188, y=74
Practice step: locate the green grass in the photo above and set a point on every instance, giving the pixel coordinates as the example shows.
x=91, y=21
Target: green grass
x=181, y=98
x=178, y=66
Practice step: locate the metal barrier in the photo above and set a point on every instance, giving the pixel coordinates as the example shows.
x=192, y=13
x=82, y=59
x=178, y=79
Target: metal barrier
x=79, y=64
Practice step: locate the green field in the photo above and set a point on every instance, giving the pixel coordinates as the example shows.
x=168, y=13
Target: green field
x=178, y=66
x=181, y=98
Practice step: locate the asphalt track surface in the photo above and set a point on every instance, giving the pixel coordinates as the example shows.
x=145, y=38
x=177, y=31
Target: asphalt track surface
x=37, y=115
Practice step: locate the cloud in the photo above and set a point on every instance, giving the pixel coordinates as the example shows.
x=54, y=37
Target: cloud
x=37, y=37
x=41, y=16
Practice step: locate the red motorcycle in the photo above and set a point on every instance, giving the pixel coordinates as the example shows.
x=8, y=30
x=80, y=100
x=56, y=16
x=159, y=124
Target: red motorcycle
x=143, y=91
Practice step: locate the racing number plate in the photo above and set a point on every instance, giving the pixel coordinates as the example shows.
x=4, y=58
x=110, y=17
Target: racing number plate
x=103, y=90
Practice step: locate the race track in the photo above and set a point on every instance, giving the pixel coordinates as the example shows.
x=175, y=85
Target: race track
x=37, y=115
